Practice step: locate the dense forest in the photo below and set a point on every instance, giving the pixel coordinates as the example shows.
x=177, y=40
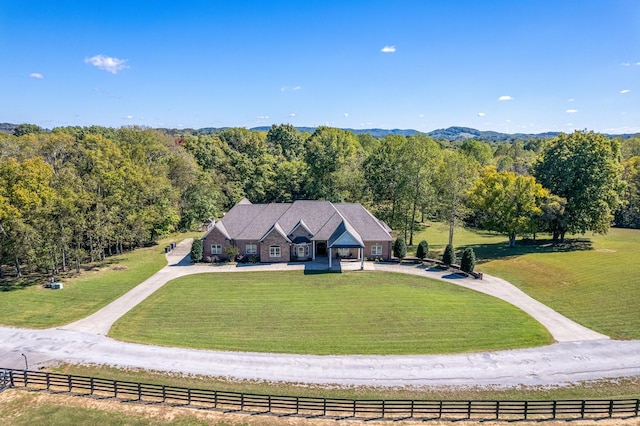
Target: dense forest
x=77, y=194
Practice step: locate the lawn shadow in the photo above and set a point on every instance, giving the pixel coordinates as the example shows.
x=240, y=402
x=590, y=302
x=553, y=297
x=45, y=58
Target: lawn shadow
x=487, y=252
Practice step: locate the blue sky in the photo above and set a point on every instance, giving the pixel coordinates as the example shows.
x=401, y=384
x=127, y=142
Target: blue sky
x=509, y=66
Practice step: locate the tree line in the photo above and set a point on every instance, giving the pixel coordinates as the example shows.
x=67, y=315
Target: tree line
x=77, y=194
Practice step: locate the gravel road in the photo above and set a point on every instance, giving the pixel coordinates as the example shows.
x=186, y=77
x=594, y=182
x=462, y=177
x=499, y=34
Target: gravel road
x=579, y=354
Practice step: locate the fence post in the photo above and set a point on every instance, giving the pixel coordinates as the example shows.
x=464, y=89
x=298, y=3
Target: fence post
x=189, y=396
x=26, y=380
x=269, y=408
x=412, y=408
x=582, y=408
x=48, y=380
x=242, y=401
x=526, y=409
x=610, y=408
x=139, y=392
x=91, y=385
x=497, y=410
x=636, y=412
x=12, y=384
x=215, y=399
x=324, y=407
x=69, y=380
x=440, y=410
x=115, y=389
x=383, y=401
x=469, y=409
x=354, y=408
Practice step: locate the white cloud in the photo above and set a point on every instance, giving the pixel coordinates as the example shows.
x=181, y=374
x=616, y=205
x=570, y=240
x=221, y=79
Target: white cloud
x=262, y=117
x=622, y=92
x=505, y=98
x=570, y=99
x=481, y=114
x=297, y=88
x=287, y=88
x=293, y=114
x=388, y=49
x=129, y=117
x=107, y=63
x=421, y=115
x=36, y=75
x=572, y=111
x=626, y=64
x=346, y=114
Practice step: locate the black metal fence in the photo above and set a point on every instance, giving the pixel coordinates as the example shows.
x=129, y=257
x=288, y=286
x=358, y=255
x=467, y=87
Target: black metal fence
x=333, y=408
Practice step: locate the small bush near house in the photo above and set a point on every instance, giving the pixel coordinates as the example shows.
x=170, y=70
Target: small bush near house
x=231, y=252
x=196, y=250
x=423, y=249
x=449, y=255
x=399, y=248
x=468, y=261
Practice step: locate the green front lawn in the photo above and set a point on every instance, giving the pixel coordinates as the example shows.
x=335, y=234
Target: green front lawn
x=37, y=307
x=348, y=313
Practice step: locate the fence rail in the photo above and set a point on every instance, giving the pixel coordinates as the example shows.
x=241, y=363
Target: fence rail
x=323, y=407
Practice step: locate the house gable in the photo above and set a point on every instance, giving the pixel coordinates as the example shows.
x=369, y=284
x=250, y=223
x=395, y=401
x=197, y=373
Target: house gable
x=345, y=237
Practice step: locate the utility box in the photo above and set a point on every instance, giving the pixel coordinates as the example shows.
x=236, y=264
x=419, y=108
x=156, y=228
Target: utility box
x=57, y=286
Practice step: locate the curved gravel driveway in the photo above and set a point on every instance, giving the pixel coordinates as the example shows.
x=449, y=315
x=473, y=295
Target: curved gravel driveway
x=580, y=354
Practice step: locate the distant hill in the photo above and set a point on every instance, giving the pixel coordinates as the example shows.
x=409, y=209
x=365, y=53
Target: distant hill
x=453, y=134
x=7, y=127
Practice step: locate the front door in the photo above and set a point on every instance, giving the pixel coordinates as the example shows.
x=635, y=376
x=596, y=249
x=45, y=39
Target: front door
x=321, y=249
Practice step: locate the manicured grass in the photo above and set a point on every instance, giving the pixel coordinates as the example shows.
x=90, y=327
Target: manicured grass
x=618, y=388
x=37, y=307
x=348, y=313
x=598, y=287
x=437, y=235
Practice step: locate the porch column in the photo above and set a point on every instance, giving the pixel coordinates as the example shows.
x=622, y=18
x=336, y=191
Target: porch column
x=361, y=259
x=329, y=258
x=313, y=250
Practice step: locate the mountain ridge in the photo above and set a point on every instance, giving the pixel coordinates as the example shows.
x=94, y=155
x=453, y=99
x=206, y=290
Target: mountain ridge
x=452, y=133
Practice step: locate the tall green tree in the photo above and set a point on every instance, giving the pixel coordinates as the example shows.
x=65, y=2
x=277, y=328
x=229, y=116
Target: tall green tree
x=628, y=214
x=333, y=161
x=422, y=154
x=506, y=202
x=387, y=178
x=583, y=168
x=454, y=176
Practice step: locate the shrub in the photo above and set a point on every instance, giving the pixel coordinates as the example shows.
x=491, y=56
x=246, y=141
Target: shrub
x=231, y=252
x=449, y=255
x=468, y=261
x=253, y=259
x=399, y=248
x=196, y=250
x=423, y=249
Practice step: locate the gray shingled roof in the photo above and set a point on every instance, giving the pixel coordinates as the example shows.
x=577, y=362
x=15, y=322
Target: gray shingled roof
x=369, y=228
x=252, y=221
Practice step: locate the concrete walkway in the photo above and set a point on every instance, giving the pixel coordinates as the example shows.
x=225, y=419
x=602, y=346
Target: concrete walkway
x=581, y=354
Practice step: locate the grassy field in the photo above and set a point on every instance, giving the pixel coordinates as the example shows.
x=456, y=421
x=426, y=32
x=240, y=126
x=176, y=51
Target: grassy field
x=36, y=307
x=597, y=286
x=19, y=407
x=592, y=279
x=618, y=388
x=327, y=313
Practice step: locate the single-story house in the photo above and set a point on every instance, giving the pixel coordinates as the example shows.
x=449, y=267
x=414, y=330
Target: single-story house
x=302, y=230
